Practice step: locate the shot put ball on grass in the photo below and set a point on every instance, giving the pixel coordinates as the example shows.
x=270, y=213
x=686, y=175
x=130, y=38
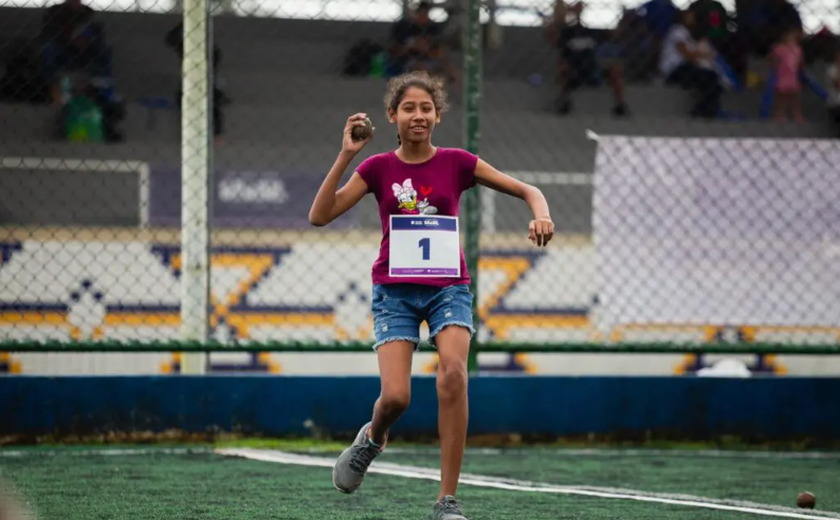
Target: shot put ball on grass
x=806, y=500
x=360, y=133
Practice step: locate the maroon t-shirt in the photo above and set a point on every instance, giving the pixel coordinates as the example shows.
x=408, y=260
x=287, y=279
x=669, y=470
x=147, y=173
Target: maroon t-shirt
x=433, y=187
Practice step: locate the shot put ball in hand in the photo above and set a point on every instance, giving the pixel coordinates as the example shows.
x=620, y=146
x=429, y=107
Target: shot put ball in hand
x=360, y=133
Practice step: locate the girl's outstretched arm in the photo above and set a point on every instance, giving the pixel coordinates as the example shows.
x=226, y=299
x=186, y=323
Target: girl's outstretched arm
x=541, y=229
x=330, y=204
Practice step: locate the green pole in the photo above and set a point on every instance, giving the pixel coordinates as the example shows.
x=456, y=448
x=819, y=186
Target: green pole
x=472, y=199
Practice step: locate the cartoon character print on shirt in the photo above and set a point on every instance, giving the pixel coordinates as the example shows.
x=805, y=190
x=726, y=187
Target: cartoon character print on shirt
x=407, y=196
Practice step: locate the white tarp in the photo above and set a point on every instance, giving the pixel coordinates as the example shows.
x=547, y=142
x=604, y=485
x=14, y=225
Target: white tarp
x=718, y=231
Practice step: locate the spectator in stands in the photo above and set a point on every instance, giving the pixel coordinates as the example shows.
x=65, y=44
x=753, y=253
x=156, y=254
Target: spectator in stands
x=417, y=44
x=714, y=24
x=687, y=63
x=71, y=38
x=657, y=17
x=711, y=20
x=764, y=21
x=639, y=49
x=787, y=65
x=582, y=59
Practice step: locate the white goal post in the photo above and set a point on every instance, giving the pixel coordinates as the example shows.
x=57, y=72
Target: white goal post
x=488, y=196
x=90, y=165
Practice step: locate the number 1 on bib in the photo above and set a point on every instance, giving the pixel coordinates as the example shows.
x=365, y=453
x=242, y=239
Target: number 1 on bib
x=424, y=246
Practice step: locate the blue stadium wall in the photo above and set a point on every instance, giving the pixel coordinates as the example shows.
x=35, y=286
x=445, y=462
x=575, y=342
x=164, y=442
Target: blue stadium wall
x=768, y=409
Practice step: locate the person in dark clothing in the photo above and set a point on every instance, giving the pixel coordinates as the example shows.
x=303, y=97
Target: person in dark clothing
x=70, y=38
x=764, y=22
x=711, y=21
x=714, y=24
x=688, y=63
x=582, y=60
x=417, y=45
x=175, y=40
x=65, y=23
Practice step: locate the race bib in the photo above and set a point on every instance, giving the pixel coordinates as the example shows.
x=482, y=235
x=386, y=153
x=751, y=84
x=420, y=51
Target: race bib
x=426, y=246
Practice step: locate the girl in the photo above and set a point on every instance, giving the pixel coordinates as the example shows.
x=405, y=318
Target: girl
x=418, y=188
x=786, y=59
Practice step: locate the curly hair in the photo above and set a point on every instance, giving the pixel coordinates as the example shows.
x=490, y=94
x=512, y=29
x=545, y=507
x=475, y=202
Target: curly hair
x=398, y=86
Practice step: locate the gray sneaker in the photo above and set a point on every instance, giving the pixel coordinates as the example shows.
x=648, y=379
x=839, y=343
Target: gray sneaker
x=352, y=465
x=448, y=509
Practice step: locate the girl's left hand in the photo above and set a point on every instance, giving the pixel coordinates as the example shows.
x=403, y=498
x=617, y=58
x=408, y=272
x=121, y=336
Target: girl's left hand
x=540, y=231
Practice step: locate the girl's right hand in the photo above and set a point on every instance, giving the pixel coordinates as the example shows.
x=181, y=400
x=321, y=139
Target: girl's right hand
x=348, y=144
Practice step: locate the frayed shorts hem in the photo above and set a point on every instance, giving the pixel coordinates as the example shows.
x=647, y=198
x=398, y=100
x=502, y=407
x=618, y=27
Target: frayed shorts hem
x=463, y=324
x=399, y=311
x=410, y=339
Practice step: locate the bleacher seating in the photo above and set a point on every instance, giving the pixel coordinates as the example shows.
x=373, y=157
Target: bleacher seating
x=290, y=102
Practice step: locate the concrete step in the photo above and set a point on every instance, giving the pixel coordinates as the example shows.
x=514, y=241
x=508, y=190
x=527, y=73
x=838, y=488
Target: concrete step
x=538, y=141
x=268, y=87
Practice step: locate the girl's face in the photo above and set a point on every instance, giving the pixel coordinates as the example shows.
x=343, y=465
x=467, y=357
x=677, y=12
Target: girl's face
x=415, y=116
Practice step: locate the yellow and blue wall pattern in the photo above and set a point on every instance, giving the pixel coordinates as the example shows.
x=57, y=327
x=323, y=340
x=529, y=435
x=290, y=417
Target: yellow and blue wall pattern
x=62, y=290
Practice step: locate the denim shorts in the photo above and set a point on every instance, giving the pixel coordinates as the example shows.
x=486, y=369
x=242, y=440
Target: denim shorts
x=399, y=309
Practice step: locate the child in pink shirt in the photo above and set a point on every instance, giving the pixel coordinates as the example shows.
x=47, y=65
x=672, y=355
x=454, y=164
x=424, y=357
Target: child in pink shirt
x=786, y=60
x=420, y=273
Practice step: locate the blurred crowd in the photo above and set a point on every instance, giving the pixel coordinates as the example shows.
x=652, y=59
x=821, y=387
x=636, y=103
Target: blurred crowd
x=69, y=65
x=416, y=43
x=704, y=49
x=71, y=68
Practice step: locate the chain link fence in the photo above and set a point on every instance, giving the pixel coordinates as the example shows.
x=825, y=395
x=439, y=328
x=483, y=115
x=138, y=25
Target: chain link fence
x=138, y=136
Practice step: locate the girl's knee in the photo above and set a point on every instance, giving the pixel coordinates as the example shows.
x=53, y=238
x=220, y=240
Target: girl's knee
x=396, y=401
x=452, y=379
